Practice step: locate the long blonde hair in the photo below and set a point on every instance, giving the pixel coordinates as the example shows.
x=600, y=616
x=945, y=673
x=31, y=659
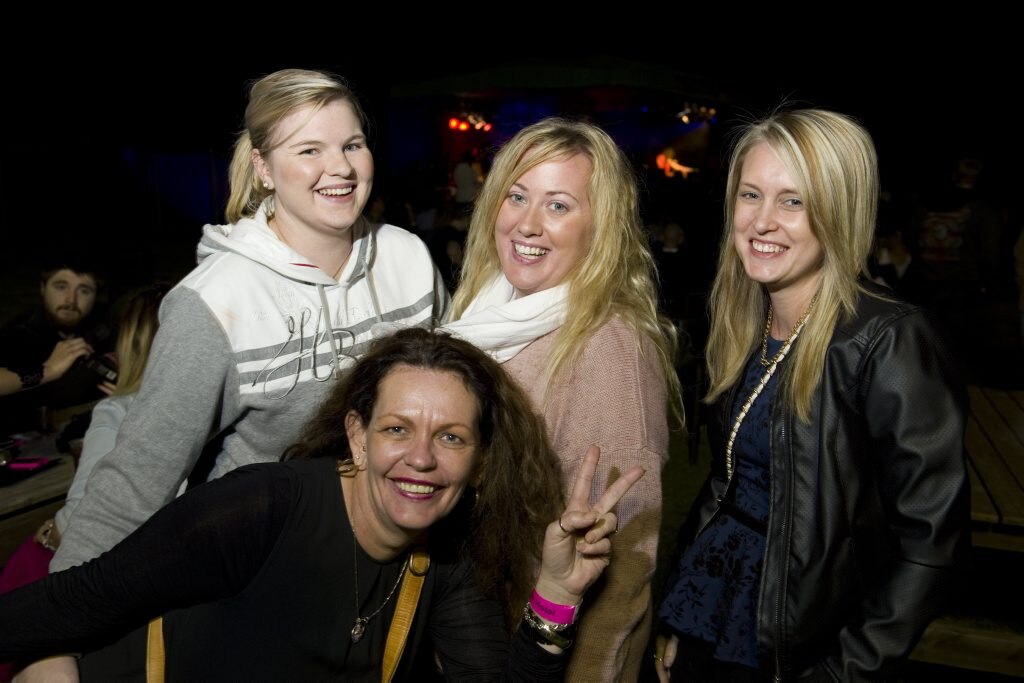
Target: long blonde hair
x=615, y=277
x=271, y=99
x=135, y=333
x=833, y=162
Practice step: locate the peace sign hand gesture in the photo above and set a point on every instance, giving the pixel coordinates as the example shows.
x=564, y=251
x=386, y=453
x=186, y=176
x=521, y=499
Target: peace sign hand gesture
x=577, y=547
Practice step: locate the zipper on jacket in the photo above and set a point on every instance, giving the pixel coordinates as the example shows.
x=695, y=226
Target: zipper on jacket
x=784, y=570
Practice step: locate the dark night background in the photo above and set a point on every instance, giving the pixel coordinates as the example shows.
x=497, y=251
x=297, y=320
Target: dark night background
x=121, y=156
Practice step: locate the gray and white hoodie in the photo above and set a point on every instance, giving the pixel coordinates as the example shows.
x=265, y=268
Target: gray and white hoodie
x=242, y=359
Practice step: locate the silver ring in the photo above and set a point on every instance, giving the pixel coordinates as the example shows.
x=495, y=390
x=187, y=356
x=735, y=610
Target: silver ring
x=564, y=530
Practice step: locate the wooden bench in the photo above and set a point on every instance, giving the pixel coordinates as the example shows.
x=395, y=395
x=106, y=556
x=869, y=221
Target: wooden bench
x=973, y=642
x=995, y=459
x=995, y=454
x=29, y=503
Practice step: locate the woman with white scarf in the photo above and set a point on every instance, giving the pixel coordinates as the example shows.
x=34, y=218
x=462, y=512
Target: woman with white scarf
x=558, y=285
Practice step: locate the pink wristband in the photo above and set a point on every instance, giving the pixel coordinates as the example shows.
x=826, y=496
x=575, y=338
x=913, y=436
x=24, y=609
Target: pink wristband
x=553, y=612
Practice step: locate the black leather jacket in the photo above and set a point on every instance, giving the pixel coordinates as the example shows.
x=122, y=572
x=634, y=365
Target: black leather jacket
x=869, y=500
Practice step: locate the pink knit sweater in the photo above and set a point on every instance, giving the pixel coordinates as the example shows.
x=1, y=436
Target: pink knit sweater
x=614, y=397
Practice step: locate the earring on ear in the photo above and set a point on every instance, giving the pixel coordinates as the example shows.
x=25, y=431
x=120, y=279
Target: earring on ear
x=266, y=184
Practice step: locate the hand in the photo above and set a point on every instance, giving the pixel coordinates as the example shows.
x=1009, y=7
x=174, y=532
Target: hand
x=106, y=387
x=665, y=656
x=48, y=535
x=576, y=546
x=64, y=355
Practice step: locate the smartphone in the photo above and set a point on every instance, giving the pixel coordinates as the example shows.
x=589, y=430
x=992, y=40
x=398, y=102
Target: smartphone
x=102, y=366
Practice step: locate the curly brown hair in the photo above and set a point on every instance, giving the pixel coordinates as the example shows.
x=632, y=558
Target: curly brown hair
x=518, y=481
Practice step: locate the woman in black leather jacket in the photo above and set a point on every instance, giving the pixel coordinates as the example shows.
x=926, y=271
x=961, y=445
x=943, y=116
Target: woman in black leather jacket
x=837, y=504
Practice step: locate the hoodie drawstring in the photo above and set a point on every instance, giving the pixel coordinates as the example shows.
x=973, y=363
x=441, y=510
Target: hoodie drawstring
x=373, y=295
x=330, y=324
x=330, y=330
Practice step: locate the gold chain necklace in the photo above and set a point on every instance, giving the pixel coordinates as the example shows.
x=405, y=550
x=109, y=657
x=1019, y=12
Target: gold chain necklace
x=792, y=335
x=771, y=366
x=359, y=627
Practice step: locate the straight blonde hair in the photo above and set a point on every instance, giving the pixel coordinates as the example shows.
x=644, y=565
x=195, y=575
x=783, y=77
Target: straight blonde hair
x=271, y=99
x=833, y=162
x=135, y=333
x=617, y=274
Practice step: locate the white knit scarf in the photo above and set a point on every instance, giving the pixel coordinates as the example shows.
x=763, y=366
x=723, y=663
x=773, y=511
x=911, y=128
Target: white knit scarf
x=502, y=325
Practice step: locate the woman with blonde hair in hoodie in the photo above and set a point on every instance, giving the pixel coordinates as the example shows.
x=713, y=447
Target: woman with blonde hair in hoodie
x=285, y=296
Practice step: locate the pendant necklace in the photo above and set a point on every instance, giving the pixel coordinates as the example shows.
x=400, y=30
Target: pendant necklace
x=359, y=627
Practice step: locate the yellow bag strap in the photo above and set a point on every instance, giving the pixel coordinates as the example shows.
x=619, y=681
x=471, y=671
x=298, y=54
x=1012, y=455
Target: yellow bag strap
x=155, y=651
x=405, y=610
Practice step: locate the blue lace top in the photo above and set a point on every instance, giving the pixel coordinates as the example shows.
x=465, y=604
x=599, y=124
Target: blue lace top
x=719, y=575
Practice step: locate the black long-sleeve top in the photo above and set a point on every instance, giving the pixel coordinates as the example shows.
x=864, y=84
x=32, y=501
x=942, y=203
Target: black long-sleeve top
x=255, y=573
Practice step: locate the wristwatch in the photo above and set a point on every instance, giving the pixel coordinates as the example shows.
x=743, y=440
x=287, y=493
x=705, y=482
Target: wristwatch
x=30, y=378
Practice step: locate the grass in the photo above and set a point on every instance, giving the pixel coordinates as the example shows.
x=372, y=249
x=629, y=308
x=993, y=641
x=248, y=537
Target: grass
x=680, y=482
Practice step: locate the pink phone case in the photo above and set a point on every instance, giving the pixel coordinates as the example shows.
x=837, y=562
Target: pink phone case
x=28, y=463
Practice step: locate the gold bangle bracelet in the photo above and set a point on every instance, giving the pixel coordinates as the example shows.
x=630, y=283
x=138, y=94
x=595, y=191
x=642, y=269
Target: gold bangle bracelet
x=560, y=636
x=45, y=537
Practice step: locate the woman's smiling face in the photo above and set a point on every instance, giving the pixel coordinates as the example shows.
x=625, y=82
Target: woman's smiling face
x=322, y=172
x=544, y=224
x=771, y=230
x=419, y=450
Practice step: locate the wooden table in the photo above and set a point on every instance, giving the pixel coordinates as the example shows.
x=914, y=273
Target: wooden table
x=995, y=452
x=27, y=504
x=995, y=461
